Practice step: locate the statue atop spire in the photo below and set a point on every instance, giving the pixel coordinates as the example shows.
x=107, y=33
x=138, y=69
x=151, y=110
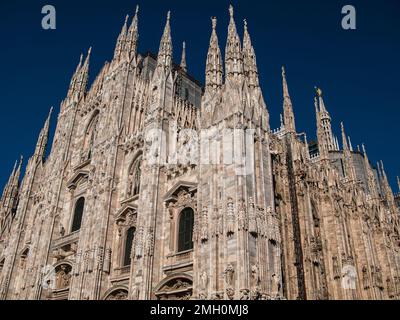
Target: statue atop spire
x=349, y=169
x=371, y=181
x=233, y=51
x=164, y=59
x=121, y=41
x=83, y=78
x=41, y=144
x=322, y=146
x=288, y=113
x=249, y=60
x=133, y=36
x=72, y=86
x=183, y=59
x=214, y=60
x=325, y=121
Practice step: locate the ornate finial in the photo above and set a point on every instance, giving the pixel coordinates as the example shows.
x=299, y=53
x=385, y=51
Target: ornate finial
x=137, y=9
x=231, y=11
x=183, y=60
x=89, y=51
x=245, y=23
x=214, y=22
x=318, y=91
x=283, y=71
x=126, y=18
x=383, y=168
x=350, y=144
x=169, y=15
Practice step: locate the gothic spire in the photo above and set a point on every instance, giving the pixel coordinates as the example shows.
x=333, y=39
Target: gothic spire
x=43, y=139
x=82, y=77
x=249, y=60
x=325, y=121
x=322, y=147
x=347, y=157
x=233, y=52
x=183, y=60
x=288, y=114
x=387, y=190
x=133, y=35
x=372, y=187
x=11, y=188
x=18, y=172
x=398, y=183
x=164, y=59
x=9, y=182
x=350, y=145
x=344, y=138
x=384, y=173
x=72, y=85
x=121, y=41
x=214, y=60
x=321, y=101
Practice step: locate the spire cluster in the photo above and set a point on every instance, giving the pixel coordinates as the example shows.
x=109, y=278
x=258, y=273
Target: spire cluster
x=128, y=39
x=240, y=64
x=80, y=78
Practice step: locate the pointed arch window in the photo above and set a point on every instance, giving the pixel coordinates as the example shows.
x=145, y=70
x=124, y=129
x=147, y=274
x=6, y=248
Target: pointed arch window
x=130, y=235
x=135, y=174
x=78, y=214
x=185, y=233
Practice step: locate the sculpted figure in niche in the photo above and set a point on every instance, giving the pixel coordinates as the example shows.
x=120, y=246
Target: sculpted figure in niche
x=230, y=228
x=252, y=217
x=229, y=275
x=255, y=276
x=204, y=280
x=204, y=225
x=242, y=214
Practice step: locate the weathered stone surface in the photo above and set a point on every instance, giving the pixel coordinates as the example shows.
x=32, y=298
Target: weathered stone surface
x=154, y=189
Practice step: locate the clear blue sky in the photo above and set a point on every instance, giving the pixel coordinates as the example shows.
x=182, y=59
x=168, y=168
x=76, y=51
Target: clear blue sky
x=357, y=70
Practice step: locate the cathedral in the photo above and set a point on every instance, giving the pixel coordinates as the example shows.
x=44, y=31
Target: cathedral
x=159, y=188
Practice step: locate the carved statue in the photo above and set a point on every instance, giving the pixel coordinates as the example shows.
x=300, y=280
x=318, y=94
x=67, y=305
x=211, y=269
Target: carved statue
x=336, y=269
x=390, y=288
x=150, y=242
x=252, y=217
x=229, y=275
x=230, y=292
x=255, y=278
x=242, y=218
x=244, y=294
x=61, y=229
x=276, y=284
x=230, y=217
x=204, y=225
x=365, y=277
x=139, y=243
x=204, y=280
